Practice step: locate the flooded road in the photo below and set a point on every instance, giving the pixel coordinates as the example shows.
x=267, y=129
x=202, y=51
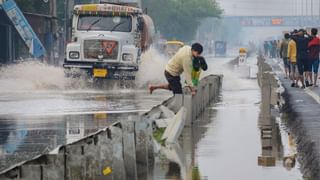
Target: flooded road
x=35, y=123
x=235, y=138
x=41, y=109
x=227, y=142
x=230, y=142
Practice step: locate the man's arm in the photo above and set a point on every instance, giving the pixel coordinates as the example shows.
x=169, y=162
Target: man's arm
x=187, y=70
x=281, y=48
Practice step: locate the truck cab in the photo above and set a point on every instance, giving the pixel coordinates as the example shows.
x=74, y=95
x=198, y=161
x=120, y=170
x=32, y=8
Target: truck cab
x=107, y=40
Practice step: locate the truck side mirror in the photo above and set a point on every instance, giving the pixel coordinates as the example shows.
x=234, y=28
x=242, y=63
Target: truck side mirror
x=140, y=23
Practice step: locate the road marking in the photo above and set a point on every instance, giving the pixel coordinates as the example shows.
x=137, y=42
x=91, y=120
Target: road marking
x=314, y=95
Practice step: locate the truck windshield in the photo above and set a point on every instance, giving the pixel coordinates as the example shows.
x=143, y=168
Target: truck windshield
x=105, y=23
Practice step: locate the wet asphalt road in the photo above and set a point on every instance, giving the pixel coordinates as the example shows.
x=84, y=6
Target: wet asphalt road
x=224, y=144
x=232, y=144
x=36, y=122
x=226, y=141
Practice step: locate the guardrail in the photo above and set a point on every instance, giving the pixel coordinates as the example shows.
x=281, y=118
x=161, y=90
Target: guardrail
x=125, y=150
x=271, y=88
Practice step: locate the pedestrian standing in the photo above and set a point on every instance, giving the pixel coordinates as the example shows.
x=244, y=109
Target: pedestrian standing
x=292, y=56
x=265, y=46
x=304, y=65
x=284, y=54
x=278, y=48
x=314, y=50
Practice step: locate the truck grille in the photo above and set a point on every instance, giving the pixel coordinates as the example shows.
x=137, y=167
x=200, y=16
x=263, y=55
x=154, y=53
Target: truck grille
x=101, y=49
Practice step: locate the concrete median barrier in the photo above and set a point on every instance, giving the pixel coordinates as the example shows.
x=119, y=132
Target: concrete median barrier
x=301, y=111
x=125, y=150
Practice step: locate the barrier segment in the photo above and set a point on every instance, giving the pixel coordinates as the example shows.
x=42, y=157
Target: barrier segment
x=124, y=150
x=129, y=150
x=175, y=127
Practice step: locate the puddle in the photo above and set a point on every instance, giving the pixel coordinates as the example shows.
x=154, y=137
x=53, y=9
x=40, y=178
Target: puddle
x=230, y=141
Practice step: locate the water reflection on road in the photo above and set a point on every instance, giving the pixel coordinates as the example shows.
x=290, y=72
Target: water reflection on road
x=37, y=122
x=230, y=141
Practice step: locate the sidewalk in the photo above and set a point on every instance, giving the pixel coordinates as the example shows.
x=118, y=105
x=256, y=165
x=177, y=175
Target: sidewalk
x=303, y=109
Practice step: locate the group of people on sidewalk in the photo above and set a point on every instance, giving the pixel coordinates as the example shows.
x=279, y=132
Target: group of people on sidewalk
x=272, y=48
x=300, y=53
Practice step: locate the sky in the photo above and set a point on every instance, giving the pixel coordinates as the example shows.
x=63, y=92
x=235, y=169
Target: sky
x=270, y=7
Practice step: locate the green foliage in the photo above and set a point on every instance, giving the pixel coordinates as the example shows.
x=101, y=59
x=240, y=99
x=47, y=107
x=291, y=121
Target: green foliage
x=196, y=173
x=180, y=19
x=157, y=134
x=34, y=6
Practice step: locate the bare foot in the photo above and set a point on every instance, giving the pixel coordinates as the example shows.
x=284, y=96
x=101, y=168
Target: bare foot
x=151, y=89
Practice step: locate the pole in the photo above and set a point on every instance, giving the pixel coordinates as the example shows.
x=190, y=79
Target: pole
x=302, y=8
x=296, y=8
x=312, y=9
x=306, y=8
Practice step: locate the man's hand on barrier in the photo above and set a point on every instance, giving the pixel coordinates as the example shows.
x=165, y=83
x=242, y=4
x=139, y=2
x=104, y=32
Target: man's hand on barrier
x=193, y=90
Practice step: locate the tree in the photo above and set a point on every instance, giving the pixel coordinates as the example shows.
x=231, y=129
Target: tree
x=180, y=19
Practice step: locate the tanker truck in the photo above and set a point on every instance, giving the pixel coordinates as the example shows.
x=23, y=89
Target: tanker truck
x=108, y=39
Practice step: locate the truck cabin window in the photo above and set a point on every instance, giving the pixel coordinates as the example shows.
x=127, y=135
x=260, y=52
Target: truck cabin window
x=105, y=23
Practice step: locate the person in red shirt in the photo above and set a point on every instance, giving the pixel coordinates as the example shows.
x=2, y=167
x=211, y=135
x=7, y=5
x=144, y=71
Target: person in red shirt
x=314, y=51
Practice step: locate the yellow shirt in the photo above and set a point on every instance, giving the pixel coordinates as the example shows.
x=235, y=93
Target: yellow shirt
x=292, y=51
x=180, y=63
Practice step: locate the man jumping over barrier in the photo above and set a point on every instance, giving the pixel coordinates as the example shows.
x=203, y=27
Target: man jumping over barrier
x=188, y=61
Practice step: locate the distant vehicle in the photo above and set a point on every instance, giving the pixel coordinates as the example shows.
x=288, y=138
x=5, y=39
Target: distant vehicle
x=171, y=47
x=242, y=67
x=220, y=48
x=242, y=56
x=108, y=40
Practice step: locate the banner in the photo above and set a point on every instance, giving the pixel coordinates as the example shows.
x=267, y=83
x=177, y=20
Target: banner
x=24, y=29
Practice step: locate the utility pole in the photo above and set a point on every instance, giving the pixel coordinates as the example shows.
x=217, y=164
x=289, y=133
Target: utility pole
x=311, y=8
x=319, y=11
x=301, y=17
x=297, y=10
x=302, y=8
x=306, y=8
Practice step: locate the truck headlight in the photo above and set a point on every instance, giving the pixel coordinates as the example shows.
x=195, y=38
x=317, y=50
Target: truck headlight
x=127, y=57
x=74, y=55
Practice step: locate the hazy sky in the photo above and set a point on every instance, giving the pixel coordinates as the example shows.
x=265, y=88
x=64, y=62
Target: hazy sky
x=269, y=7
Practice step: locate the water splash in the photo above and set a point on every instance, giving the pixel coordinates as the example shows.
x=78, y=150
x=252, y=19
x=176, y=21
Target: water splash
x=32, y=75
x=151, y=68
x=231, y=81
x=36, y=76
